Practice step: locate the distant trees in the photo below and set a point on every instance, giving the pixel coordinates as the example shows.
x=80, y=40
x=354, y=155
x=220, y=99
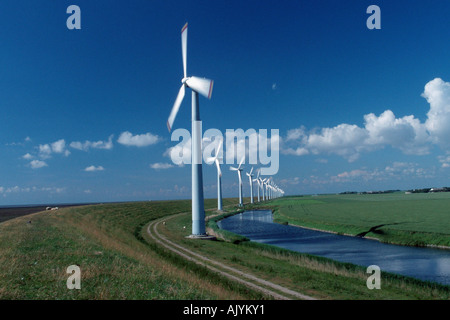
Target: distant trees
x=423, y=190
x=429, y=190
x=370, y=192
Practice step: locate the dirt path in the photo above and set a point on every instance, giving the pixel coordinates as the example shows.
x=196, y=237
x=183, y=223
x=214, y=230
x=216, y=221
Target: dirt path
x=269, y=288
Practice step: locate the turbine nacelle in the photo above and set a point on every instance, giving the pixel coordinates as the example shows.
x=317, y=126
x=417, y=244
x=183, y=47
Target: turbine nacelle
x=200, y=85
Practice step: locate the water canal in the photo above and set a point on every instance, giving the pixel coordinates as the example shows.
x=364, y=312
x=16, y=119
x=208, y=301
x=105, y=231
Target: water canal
x=428, y=264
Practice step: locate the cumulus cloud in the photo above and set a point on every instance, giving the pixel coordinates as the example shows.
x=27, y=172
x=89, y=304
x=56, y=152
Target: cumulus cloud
x=94, y=168
x=445, y=161
x=17, y=189
x=36, y=164
x=406, y=133
x=46, y=150
x=85, y=146
x=160, y=165
x=140, y=140
x=437, y=93
x=28, y=156
x=397, y=170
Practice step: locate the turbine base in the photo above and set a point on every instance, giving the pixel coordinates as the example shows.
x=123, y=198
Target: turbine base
x=201, y=237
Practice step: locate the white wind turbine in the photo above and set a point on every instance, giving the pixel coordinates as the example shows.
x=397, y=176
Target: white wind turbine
x=266, y=182
x=263, y=182
x=217, y=159
x=259, y=183
x=250, y=176
x=239, y=171
x=204, y=87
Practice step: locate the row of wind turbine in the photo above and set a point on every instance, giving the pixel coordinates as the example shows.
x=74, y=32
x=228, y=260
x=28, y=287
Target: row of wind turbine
x=204, y=87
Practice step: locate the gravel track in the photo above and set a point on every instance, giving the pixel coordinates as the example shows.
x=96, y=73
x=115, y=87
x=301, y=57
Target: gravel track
x=266, y=287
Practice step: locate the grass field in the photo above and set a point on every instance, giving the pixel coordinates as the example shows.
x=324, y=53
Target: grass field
x=119, y=261
x=409, y=219
x=104, y=240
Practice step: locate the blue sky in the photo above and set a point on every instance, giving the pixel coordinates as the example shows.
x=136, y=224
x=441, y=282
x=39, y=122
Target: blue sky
x=83, y=112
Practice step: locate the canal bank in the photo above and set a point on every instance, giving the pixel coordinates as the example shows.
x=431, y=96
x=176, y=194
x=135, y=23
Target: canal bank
x=427, y=264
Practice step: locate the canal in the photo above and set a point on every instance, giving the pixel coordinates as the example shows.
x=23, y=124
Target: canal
x=429, y=264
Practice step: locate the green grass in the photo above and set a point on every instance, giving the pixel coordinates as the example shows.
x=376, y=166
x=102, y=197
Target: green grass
x=413, y=219
x=119, y=261
x=114, y=262
x=311, y=275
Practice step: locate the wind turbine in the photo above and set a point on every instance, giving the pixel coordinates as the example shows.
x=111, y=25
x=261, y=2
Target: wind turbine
x=259, y=183
x=216, y=159
x=204, y=87
x=250, y=176
x=266, y=182
x=263, y=182
x=239, y=170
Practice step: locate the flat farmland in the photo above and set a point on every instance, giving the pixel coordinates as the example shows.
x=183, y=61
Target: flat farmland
x=409, y=219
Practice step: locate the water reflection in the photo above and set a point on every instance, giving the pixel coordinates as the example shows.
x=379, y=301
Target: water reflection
x=422, y=263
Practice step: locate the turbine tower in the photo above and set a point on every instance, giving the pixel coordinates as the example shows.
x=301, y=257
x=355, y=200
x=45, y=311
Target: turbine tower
x=204, y=87
x=259, y=184
x=263, y=182
x=216, y=159
x=239, y=171
x=250, y=176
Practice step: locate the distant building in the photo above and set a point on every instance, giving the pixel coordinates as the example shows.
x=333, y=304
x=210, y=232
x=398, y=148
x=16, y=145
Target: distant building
x=437, y=190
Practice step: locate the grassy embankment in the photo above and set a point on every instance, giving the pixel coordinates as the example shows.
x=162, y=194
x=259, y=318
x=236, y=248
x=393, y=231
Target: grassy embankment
x=118, y=261
x=104, y=240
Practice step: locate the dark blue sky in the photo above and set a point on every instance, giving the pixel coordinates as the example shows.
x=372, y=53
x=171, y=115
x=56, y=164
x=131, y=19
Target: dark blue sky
x=311, y=69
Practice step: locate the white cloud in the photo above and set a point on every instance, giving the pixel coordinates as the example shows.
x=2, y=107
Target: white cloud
x=407, y=133
x=46, y=150
x=36, y=164
x=160, y=165
x=17, y=189
x=85, y=146
x=94, y=168
x=437, y=93
x=445, y=161
x=28, y=156
x=59, y=146
x=396, y=170
x=344, y=140
x=140, y=140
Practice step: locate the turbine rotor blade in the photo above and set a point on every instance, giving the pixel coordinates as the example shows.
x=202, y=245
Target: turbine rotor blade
x=176, y=107
x=184, y=47
x=218, y=167
x=210, y=160
x=218, y=148
x=201, y=85
x=242, y=160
